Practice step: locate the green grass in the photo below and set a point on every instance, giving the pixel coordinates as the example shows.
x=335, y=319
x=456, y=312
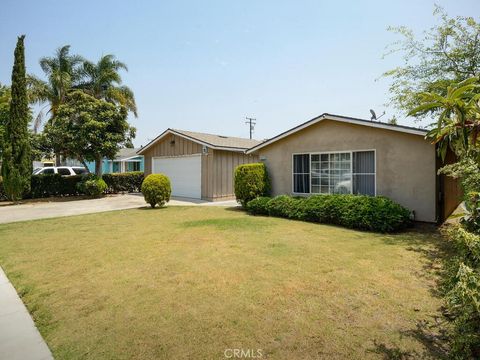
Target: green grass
x=190, y=282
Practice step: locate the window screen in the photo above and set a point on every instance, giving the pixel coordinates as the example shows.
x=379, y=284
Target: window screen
x=364, y=173
x=301, y=173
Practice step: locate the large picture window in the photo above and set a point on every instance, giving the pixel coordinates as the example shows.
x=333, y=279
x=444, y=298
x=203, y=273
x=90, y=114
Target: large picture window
x=350, y=172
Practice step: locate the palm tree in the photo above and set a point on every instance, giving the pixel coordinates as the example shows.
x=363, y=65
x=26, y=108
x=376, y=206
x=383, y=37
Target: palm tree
x=103, y=81
x=63, y=73
x=458, y=125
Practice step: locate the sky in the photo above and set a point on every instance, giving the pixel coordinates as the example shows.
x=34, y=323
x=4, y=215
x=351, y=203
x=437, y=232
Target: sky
x=206, y=65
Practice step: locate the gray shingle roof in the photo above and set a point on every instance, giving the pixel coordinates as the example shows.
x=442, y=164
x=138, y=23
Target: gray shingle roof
x=220, y=140
x=126, y=153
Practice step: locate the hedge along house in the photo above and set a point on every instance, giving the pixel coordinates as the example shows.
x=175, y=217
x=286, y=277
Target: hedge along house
x=199, y=165
x=338, y=154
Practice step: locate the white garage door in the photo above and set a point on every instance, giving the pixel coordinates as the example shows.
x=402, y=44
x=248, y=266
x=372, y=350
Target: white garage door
x=185, y=173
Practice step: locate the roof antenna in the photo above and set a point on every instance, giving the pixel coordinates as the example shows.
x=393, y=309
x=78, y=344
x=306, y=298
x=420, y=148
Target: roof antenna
x=251, y=122
x=374, y=116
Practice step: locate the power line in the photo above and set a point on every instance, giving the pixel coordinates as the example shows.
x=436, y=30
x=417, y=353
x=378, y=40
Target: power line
x=251, y=122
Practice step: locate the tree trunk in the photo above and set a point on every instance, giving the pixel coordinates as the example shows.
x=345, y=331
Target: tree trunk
x=57, y=159
x=98, y=166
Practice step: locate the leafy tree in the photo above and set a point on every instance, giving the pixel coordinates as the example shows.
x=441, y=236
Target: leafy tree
x=458, y=127
x=89, y=128
x=67, y=73
x=458, y=124
x=4, y=112
x=17, y=164
x=446, y=54
x=103, y=81
x=393, y=120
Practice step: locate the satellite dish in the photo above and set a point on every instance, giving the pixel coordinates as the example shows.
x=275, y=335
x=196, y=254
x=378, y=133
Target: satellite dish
x=374, y=116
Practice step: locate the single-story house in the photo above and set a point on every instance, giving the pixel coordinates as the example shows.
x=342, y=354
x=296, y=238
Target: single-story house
x=339, y=154
x=199, y=165
x=126, y=160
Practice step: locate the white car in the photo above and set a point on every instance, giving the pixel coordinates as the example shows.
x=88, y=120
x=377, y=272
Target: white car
x=62, y=170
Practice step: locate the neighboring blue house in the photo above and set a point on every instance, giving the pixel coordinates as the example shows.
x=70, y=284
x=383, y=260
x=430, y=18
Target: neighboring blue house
x=125, y=161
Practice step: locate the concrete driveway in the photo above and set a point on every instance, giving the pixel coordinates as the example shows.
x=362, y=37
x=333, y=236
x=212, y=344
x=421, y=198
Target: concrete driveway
x=52, y=209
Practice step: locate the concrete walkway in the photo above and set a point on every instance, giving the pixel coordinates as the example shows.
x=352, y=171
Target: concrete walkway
x=52, y=209
x=19, y=338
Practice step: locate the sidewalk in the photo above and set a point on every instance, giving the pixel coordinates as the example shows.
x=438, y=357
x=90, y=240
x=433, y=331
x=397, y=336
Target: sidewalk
x=19, y=338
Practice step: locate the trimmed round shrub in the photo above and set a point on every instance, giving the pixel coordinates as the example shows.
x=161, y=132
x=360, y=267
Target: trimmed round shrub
x=251, y=181
x=156, y=189
x=93, y=187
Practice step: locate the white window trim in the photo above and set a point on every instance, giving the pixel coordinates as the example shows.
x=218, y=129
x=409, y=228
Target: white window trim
x=333, y=152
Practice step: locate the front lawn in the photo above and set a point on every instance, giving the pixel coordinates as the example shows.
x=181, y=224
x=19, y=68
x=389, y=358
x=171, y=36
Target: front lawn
x=190, y=282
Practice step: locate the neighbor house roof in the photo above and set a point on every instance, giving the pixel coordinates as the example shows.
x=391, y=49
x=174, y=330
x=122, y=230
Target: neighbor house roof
x=218, y=142
x=126, y=153
x=345, y=119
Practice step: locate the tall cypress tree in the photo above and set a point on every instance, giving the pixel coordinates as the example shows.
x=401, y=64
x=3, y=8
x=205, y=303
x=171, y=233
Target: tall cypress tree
x=17, y=162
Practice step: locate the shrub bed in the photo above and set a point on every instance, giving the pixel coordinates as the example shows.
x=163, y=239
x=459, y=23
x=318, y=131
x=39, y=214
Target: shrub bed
x=46, y=185
x=372, y=213
x=156, y=189
x=124, y=182
x=462, y=293
x=251, y=181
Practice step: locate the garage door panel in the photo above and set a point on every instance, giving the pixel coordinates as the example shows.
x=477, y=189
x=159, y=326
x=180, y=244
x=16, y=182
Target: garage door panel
x=185, y=173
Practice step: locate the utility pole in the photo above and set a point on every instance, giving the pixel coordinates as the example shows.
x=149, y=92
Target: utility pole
x=251, y=122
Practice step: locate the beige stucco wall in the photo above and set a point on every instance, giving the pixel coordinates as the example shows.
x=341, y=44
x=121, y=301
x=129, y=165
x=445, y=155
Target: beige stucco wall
x=405, y=163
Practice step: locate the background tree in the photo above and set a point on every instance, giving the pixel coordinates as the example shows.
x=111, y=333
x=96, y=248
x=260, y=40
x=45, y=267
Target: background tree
x=17, y=164
x=63, y=73
x=458, y=125
x=446, y=54
x=4, y=113
x=90, y=128
x=103, y=81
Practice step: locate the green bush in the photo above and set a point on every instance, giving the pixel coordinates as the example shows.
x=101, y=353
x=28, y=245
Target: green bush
x=258, y=206
x=372, y=213
x=462, y=294
x=92, y=186
x=286, y=206
x=251, y=181
x=3, y=196
x=156, y=189
x=46, y=185
x=124, y=182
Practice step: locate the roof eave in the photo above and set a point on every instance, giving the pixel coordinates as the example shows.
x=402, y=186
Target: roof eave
x=326, y=116
x=171, y=131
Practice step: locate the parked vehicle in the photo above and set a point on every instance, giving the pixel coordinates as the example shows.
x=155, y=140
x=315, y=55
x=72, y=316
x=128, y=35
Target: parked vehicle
x=62, y=170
